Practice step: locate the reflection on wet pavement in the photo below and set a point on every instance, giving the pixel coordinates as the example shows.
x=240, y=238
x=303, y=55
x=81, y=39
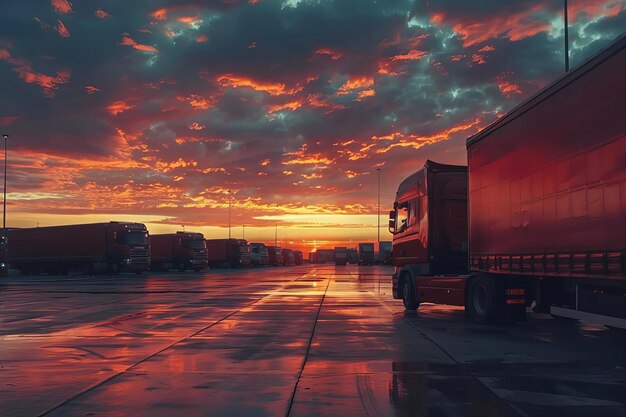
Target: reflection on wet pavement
x=307, y=341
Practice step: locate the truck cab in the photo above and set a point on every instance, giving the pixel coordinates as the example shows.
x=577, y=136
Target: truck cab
x=429, y=226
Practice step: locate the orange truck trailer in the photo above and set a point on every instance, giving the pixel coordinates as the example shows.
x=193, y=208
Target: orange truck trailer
x=89, y=248
x=538, y=218
x=180, y=250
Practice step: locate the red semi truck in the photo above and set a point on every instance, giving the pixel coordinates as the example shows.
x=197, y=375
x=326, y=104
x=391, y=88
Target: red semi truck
x=228, y=252
x=539, y=218
x=275, y=256
x=288, y=257
x=90, y=248
x=297, y=257
x=180, y=250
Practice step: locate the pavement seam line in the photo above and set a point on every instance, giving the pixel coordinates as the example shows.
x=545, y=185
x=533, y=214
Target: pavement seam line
x=98, y=384
x=308, y=349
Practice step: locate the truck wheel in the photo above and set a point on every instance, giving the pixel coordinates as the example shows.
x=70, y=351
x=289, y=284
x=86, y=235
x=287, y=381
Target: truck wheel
x=482, y=300
x=408, y=294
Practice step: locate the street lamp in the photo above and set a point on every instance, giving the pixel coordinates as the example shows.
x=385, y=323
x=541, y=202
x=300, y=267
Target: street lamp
x=566, y=27
x=229, y=206
x=5, y=246
x=243, y=232
x=378, y=172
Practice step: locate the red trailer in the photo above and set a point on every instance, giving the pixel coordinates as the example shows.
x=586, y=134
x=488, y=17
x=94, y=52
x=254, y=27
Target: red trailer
x=341, y=255
x=288, y=257
x=547, y=209
x=297, y=257
x=228, y=252
x=89, y=248
x=275, y=256
x=180, y=250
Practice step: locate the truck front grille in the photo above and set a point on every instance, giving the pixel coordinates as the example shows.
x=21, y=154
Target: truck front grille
x=139, y=255
x=199, y=256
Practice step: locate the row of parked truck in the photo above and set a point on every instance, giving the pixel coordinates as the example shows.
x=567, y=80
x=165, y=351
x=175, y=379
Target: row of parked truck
x=128, y=247
x=363, y=255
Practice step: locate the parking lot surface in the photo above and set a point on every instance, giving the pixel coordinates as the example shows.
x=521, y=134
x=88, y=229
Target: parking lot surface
x=315, y=340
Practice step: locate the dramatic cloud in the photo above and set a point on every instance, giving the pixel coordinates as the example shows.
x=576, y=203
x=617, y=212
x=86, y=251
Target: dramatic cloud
x=282, y=108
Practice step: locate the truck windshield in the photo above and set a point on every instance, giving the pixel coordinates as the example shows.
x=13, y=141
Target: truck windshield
x=193, y=243
x=133, y=238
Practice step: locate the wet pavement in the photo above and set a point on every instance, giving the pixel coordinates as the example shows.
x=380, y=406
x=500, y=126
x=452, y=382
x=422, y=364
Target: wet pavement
x=314, y=340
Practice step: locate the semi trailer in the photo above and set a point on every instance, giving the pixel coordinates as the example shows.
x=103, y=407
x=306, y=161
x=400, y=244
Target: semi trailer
x=366, y=254
x=538, y=218
x=89, y=248
x=275, y=256
x=384, y=253
x=288, y=257
x=231, y=253
x=259, y=255
x=180, y=250
x=298, y=257
x=341, y=255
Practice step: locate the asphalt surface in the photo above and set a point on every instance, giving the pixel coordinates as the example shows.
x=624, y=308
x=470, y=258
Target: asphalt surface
x=303, y=341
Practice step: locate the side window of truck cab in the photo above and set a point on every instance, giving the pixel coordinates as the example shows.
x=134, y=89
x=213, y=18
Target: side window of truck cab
x=402, y=219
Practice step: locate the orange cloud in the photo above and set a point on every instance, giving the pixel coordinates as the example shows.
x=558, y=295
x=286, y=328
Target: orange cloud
x=366, y=93
x=273, y=89
x=316, y=101
x=61, y=6
x=62, y=30
x=508, y=89
x=91, y=89
x=47, y=82
x=128, y=41
x=334, y=55
x=202, y=38
x=303, y=157
x=292, y=105
x=355, y=84
x=160, y=14
x=416, y=142
x=265, y=162
x=196, y=126
x=198, y=102
x=409, y=56
x=118, y=107
x=101, y=14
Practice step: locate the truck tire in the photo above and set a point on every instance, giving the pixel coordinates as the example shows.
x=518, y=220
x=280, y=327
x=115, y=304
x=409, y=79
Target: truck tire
x=482, y=300
x=409, y=298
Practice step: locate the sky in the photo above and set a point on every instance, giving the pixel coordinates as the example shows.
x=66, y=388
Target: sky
x=152, y=111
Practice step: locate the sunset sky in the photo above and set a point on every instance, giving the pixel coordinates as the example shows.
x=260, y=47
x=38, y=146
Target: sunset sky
x=151, y=111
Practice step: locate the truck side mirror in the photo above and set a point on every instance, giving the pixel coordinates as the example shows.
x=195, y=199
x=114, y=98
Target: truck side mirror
x=392, y=221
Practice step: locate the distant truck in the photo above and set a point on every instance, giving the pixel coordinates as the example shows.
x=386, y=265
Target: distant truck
x=297, y=257
x=259, y=255
x=366, y=254
x=353, y=256
x=89, y=248
x=325, y=256
x=546, y=197
x=341, y=255
x=275, y=256
x=180, y=250
x=233, y=253
x=384, y=253
x=288, y=257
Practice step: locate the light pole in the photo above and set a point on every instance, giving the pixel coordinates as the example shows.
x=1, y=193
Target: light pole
x=276, y=235
x=5, y=246
x=243, y=232
x=229, y=206
x=378, y=171
x=566, y=27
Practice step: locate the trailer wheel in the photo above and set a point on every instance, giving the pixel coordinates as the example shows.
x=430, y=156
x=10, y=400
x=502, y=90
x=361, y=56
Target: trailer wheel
x=408, y=294
x=482, y=300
